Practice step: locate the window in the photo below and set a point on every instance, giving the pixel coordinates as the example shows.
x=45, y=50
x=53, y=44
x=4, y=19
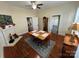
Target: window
x=77, y=16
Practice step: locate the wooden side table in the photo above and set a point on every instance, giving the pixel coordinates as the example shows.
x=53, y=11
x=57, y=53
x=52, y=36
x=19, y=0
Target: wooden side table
x=67, y=39
x=69, y=48
x=68, y=51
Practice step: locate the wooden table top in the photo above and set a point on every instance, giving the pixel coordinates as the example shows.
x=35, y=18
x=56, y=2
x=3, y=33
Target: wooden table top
x=39, y=34
x=67, y=40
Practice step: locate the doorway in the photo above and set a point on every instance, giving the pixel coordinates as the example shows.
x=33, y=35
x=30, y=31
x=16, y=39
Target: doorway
x=29, y=24
x=45, y=24
x=54, y=24
x=32, y=23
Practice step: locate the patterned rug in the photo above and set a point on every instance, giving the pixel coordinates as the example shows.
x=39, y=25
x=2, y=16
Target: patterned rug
x=42, y=50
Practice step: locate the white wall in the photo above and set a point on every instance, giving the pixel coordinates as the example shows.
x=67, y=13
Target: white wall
x=67, y=12
x=2, y=43
x=19, y=18
x=18, y=15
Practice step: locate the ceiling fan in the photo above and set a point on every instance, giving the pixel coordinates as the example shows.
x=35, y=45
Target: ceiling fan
x=35, y=4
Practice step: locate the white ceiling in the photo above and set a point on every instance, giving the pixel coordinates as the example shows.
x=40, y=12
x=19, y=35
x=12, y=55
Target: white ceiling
x=45, y=3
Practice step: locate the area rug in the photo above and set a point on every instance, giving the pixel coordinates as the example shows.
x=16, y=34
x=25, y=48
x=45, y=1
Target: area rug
x=43, y=50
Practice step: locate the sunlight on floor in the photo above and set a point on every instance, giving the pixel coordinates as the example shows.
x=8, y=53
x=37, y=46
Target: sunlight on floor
x=38, y=56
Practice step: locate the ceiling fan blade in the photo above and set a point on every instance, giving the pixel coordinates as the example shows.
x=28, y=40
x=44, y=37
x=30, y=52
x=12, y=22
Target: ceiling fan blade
x=33, y=1
x=38, y=7
x=39, y=4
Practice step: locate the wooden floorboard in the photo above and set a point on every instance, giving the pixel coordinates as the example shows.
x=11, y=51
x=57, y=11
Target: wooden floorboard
x=56, y=51
x=31, y=53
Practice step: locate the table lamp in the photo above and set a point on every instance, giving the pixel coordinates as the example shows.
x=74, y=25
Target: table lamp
x=76, y=28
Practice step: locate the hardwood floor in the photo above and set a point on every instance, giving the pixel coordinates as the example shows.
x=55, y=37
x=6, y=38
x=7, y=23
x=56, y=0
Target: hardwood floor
x=56, y=51
x=25, y=51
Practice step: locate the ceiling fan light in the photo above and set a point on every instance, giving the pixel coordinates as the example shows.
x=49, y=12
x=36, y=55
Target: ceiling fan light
x=34, y=6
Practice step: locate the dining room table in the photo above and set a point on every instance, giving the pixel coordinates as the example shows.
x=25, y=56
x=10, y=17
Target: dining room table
x=40, y=37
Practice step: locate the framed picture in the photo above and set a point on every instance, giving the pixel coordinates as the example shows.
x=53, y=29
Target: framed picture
x=2, y=20
x=6, y=19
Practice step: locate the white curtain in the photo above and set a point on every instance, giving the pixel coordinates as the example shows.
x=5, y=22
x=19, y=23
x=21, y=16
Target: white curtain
x=77, y=21
x=77, y=16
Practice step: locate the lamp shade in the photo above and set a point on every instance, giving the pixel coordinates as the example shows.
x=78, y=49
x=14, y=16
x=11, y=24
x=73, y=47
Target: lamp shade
x=78, y=27
x=75, y=27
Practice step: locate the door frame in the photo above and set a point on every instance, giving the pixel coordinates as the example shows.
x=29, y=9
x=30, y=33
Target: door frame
x=27, y=23
x=58, y=22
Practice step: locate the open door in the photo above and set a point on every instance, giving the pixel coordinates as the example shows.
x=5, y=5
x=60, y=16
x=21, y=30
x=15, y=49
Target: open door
x=32, y=23
x=54, y=24
x=45, y=24
x=29, y=24
x=35, y=23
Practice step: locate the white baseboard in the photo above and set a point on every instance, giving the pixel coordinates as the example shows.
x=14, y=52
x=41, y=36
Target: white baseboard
x=22, y=33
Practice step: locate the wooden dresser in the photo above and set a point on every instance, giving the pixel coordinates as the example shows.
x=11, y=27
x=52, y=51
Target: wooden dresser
x=69, y=48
